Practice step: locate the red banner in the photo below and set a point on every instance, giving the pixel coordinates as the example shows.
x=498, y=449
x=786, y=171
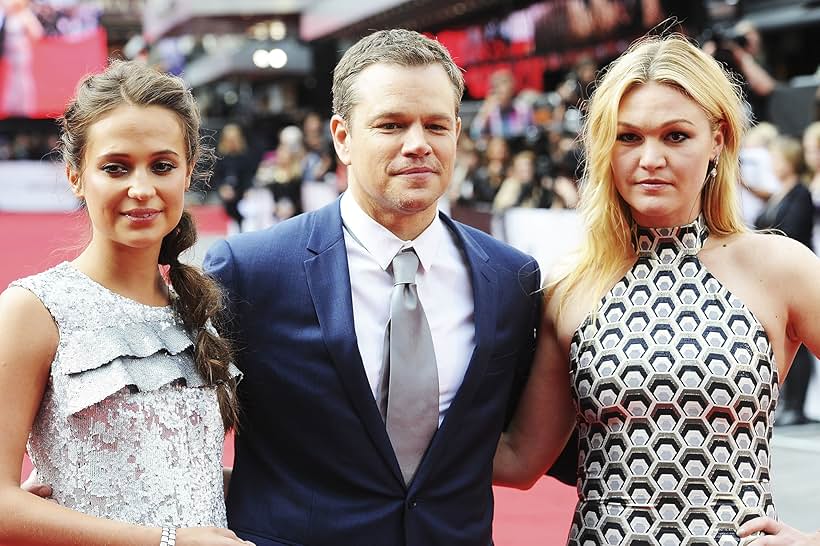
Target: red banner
x=38, y=78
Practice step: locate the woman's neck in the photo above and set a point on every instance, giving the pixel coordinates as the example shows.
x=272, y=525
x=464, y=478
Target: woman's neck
x=134, y=273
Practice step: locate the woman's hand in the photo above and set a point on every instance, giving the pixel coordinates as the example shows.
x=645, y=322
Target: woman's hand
x=776, y=533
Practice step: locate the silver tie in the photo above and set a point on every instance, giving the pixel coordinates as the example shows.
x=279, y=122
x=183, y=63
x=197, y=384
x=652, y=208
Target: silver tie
x=409, y=384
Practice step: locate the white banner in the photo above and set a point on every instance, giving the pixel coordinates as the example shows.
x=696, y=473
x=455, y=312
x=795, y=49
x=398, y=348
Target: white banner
x=548, y=235
x=34, y=186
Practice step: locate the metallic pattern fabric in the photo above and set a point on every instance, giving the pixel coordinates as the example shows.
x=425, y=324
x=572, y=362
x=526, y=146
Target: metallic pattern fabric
x=676, y=386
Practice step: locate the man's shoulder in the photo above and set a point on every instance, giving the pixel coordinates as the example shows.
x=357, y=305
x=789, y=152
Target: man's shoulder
x=289, y=235
x=285, y=241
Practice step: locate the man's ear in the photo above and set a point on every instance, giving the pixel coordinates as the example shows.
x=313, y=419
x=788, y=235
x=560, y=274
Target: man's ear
x=74, y=181
x=340, y=132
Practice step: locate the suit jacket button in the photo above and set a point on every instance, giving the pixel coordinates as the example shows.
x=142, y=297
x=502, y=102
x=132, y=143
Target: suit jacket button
x=412, y=503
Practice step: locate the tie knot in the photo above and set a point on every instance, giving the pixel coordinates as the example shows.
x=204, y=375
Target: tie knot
x=405, y=265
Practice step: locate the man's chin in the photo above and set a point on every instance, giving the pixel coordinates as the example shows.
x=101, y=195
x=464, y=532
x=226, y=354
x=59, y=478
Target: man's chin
x=418, y=204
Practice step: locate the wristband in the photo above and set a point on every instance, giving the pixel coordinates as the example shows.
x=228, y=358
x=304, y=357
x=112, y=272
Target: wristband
x=169, y=537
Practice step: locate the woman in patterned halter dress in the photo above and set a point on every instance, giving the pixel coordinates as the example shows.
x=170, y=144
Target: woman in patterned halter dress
x=118, y=381
x=666, y=342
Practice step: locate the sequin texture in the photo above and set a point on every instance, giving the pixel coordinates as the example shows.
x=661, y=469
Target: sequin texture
x=127, y=428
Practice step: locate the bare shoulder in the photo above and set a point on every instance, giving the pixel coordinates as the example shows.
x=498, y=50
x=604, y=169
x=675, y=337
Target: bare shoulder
x=768, y=253
x=26, y=326
x=566, y=310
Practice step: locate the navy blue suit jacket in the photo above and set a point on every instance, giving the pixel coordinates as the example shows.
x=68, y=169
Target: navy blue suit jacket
x=314, y=465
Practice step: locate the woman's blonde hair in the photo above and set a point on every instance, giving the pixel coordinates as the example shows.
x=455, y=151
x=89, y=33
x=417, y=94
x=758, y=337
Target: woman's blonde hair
x=670, y=60
x=812, y=133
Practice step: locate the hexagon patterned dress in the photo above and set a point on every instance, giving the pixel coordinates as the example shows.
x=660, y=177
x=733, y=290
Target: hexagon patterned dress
x=675, y=386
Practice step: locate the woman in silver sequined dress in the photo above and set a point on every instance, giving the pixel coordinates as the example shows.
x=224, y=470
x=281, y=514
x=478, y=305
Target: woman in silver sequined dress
x=117, y=381
x=675, y=325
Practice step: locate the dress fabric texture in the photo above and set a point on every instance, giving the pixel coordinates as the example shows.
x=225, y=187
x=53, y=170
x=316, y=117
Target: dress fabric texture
x=127, y=428
x=675, y=386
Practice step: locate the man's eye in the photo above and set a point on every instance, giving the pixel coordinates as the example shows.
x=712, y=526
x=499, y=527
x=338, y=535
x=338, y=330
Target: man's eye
x=389, y=126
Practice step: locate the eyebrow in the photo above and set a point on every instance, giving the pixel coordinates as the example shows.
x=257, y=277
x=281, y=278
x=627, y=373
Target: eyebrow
x=111, y=155
x=382, y=115
x=664, y=124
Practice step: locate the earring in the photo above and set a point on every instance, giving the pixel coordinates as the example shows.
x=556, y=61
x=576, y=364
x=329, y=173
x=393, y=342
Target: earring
x=713, y=172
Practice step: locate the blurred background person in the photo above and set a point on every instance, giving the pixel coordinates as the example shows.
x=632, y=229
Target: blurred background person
x=493, y=170
x=500, y=115
x=517, y=188
x=468, y=161
x=747, y=49
x=757, y=179
x=233, y=173
x=741, y=51
x=811, y=154
x=282, y=172
x=20, y=28
x=318, y=160
x=790, y=210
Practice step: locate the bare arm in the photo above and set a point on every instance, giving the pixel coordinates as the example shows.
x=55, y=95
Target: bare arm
x=760, y=193
x=544, y=418
x=759, y=80
x=803, y=296
x=28, y=340
x=34, y=29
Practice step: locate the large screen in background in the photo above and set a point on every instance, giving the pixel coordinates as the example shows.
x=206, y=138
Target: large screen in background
x=549, y=35
x=46, y=47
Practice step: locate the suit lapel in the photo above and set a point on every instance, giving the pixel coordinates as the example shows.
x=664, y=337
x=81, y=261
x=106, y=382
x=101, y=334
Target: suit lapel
x=328, y=278
x=484, y=280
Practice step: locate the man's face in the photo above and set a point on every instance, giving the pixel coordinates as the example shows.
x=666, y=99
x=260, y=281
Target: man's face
x=400, y=141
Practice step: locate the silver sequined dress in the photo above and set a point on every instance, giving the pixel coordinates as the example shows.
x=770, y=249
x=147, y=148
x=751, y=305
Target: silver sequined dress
x=127, y=428
x=675, y=385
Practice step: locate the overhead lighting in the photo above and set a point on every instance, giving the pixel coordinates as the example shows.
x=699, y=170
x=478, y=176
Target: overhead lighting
x=260, y=58
x=230, y=98
x=277, y=58
x=277, y=30
x=260, y=31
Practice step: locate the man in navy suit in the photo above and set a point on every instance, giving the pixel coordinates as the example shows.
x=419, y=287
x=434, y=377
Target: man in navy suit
x=310, y=299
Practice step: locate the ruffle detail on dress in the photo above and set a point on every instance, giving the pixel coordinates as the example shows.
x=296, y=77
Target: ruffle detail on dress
x=90, y=349
x=96, y=364
x=88, y=387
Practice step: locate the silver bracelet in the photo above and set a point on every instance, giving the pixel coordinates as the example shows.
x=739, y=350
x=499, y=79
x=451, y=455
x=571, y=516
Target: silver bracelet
x=169, y=537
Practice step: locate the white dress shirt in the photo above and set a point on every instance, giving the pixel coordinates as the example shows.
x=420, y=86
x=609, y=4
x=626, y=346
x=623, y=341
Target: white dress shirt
x=444, y=288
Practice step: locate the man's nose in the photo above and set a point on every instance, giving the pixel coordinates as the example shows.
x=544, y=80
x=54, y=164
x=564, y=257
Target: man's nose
x=415, y=141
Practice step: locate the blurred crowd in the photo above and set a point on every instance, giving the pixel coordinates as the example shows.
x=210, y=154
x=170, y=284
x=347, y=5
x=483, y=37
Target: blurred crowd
x=518, y=148
x=33, y=146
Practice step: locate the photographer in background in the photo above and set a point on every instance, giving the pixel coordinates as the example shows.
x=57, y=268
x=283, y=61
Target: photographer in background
x=501, y=115
x=741, y=50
